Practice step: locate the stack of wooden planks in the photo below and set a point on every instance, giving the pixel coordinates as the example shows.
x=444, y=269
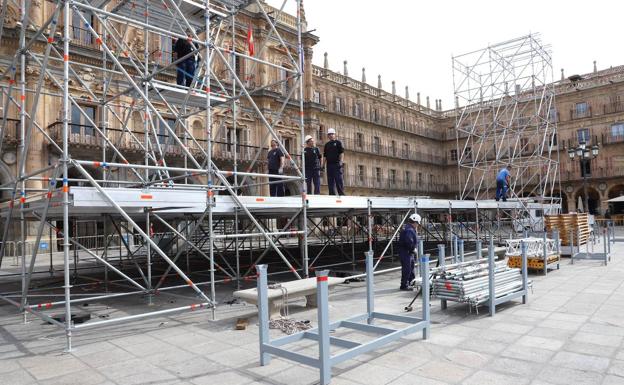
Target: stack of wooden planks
x=564, y=223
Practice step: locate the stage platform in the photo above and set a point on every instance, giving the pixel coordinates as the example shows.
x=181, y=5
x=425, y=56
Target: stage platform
x=176, y=202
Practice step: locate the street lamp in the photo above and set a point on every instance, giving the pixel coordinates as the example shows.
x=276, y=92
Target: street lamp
x=585, y=154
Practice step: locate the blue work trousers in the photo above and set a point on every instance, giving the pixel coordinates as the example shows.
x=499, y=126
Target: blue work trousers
x=185, y=72
x=407, y=269
x=501, y=190
x=334, y=179
x=276, y=189
x=313, y=178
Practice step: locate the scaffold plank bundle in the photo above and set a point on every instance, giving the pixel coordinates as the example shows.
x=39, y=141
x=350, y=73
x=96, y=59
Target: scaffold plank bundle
x=573, y=228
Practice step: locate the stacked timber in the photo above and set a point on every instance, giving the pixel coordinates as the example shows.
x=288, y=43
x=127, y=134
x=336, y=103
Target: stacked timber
x=564, y=223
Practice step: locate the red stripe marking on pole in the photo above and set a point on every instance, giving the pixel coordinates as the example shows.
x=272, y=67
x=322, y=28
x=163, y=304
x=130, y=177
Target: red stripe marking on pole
x=96, y=164
x=338, y=201
x=321, y=278
x=189, y=282
x=66, y=189
x=293, y=270
x=50, y=40
x=259, y=199
x=65, y=57
x=146, y=196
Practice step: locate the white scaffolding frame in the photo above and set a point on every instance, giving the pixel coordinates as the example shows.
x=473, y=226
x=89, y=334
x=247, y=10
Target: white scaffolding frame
x=132, y=86
x=505, y=101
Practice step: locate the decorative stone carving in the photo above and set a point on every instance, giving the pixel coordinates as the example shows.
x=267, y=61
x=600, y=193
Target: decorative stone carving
x=11, y=18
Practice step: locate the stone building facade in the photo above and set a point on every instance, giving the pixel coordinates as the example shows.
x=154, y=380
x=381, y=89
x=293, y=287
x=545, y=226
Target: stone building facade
x=395, y=144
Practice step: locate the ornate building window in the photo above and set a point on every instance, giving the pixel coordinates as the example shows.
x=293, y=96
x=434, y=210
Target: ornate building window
x=361, y=174
x=80, y=124
x=453, y=155
x=617, y=130
x=317, y=97
x=359, y=140
x=582, y=135
x=376, y=144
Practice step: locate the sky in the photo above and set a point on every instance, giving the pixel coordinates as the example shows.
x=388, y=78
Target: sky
x=413, y=41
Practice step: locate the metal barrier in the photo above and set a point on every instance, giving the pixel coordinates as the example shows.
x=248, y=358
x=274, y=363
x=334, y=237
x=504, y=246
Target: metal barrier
x=325, y=359
x=604, y=256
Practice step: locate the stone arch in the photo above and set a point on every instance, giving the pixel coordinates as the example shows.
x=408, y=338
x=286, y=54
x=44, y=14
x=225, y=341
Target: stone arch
x=593, y=200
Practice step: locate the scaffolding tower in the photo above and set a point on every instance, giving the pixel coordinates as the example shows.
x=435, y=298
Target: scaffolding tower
x=134, y=87
x=505, y=103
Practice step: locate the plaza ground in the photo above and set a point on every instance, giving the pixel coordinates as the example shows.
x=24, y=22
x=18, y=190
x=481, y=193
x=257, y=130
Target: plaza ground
x=570, y=332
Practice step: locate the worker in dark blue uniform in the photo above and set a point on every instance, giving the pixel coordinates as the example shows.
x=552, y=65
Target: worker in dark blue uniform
x=333, y=158
x=503, y=181
x=312, y=166
x=408, y=244
x=186, y=67
x=275, y=160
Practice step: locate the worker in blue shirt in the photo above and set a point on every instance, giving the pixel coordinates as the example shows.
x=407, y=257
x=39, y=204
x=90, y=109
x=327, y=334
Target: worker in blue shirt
x=333, y=157
x=408, y=244
x=503, y=181
x=275, y=160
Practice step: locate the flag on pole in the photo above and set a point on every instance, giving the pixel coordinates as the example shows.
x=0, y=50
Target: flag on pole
x=250, y=41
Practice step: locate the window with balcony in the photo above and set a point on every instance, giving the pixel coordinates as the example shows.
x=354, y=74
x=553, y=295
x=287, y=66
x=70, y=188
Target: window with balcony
x=408, y=178
x=361, y=173
x=357, y=110
x=316, y=98
x=552, y=115
x=454, y=155
x=393, y=148
x=374, y=115
x=582, y=135
x=392, y=176
x=581, y=110
x=617, y=130
x=80, y=123
x=338, y=103
x=468, y=153
x=376, y=144
x=420, y=178
x=81, y=35
x=405, y=152
x=359, y=140
x=231, y=138
x=553, y=141
x=321, y=132
x=378, y=174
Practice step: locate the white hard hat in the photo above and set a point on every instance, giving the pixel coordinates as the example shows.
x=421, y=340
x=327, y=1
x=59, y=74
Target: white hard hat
x=415, y=218
x=308, y=137
x=331, y=131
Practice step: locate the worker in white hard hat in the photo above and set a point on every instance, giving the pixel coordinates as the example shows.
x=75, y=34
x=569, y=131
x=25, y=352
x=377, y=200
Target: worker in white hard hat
x=312, y=158
x=333, y=156
x=408, y=245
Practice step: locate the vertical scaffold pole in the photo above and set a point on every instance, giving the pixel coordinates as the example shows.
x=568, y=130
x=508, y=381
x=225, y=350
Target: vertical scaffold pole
x=525, y=271
x=370, y=287
x=322, y=299
x=441, y=263
x=479, y=250
x=491, y=282
x=263, y=313
x=65, y=162
x=545, y=252
x=460, y=245
x=210, y=198
x=426, y=311
x=304, y=194
x=557, y=246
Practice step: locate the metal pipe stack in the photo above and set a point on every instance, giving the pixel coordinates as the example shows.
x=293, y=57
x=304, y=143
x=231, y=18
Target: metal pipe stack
x=468, y=282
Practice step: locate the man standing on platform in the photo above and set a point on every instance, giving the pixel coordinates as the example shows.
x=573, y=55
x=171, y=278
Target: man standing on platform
x=333, y=158
x=186, y=67
x=275, y=160
x=408, y=245
x=503, y=181
x=312, y=166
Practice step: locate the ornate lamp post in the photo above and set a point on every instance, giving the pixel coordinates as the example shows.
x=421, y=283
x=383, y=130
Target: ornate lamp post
x=585, y=154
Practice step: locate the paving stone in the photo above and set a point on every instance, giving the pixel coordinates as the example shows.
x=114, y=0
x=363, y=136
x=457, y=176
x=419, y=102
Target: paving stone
x=612, y=380
x=468, y=358
x=527, y=353
x=85, y=377
x=566, y=376
x=400, y=361
x=514, y=366
x=483, y=377
x=580, y=361
x=107, y=357
x=540, y=342
x=599, y=339
x=8, y=366
x=54, y=369
x=412, y=379
x=197, y=366
x=591, y=349
x=230, y=377
x=20, y=376
x=443, y=371
x=617, y=369
x=445, y=339
x=509, y=327
x=484, y=346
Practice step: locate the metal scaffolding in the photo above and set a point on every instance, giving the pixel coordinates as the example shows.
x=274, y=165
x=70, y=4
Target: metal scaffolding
x=139, y=105
x=505, y=103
